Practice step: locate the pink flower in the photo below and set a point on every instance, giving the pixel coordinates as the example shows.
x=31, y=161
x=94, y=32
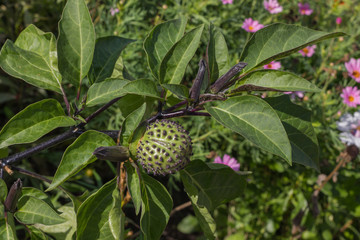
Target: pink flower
x=273, y=65
x=227, y=1
x=305, y=9
x=272, y=6
x=227, y=160
x=295, y=94
x=251, y=25
x=113, y=11
x=351, y=96
x=353, y=68
x=338, y=20
x=308, y=51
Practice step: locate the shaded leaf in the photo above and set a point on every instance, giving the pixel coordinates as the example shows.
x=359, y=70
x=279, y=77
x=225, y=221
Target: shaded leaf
x=160, y=40
x=93, y=214
x=64, y=231
x=133, y=185
x=130, y=123
x=3, y=191
x=32, y=58
x=206, y=221
x=105, y=91
x=36, y=234
x=274, y=80
x=212, y=186
x=302, y=136
x=278, y=41
x=174, y=64
x=76, y=41
x=120, y=71
x=217, y=53
x=107, y=52
x=117, y=217
x=78, y=155
x=155, y=208
x=33, y=122
x=32, y=210
x=6, y=231
x=254, y=119
x=181, y=91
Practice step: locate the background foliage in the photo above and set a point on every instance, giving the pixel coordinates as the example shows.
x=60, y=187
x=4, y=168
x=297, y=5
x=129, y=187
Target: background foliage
x=275, y=192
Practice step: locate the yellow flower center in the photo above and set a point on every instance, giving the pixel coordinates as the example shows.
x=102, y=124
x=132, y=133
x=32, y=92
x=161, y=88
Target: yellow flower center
x=351, y=98
x=269, y=66
x=303, y=11
x=356, y=74
x=251, y=28
x=306, y=50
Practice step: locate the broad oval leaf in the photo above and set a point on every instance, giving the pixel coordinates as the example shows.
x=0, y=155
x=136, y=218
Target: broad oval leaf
x=279, y=40
x=117, y=217
x=297, y=124
x=133, y=185
x=174, y=64
x=105, y=91
x=274, y=80
x=76, y=41
x=155, y=208
x=3, y=191
x=32, y=210
x=213, y=186
x=160, y=40
x=6, y=231
x=33, y=122
x=78, y=155
x=254, y=119
x=107, y=52
x=33, y=59
x=179, y=90
x=217, y=53
x=93, y=214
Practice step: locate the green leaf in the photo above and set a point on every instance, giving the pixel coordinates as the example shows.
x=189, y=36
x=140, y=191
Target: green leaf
x=130, y=123
x=78, y=155
x=213, y=186
x=133, y=184
x=64, y=231
x=32, y=210
x=274, y=80
x=173, y=66
x=32, y=58
x=120, y=71
x=217, y=52
x=6, y=231
x=160, y=40
x=278, y=41
x=36, y=234
x=33, y=122
x=4, y=152
x=93, y=214
x=37, y=193
x=155, y=208
x=105, y=91
x=206, y=221
x=107, y=52
x=76, y=41
x=117, y=217
x=179, y=90
x=254, y=119
x=3, y=191
x=302, y=136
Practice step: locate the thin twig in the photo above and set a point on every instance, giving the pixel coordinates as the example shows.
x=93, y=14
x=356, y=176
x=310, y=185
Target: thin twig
x=180, y=207
x=100, y=110
x=66, y=101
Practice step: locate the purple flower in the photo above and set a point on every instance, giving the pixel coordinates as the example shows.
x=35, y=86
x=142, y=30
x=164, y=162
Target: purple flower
x=338, y=20
x=273, y=65
x=351, y=96
x=353, y=68
x=308, y=51
x=229, y=161
x=227, y=1
x=113, y=11
x=272, y=6
x=305, y=9
x=251, y=25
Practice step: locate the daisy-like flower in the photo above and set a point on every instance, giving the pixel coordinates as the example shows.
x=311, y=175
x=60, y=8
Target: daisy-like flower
x=353, y=68
x=295, y=94
x=251, y=25
x=349, y=125
x=229, y=161
x=227, y=1
x=351, y=96
x=305, y=9
x=272, y=6
x=308, y=51
x=273, y=65
x=113, y=11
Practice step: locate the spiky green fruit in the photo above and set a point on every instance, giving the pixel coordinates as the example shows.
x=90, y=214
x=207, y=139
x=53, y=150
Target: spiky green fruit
x=165, y=148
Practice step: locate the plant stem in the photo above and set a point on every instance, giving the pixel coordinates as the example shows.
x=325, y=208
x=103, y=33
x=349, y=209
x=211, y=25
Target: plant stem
x=66, y=101
x=100, y=110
